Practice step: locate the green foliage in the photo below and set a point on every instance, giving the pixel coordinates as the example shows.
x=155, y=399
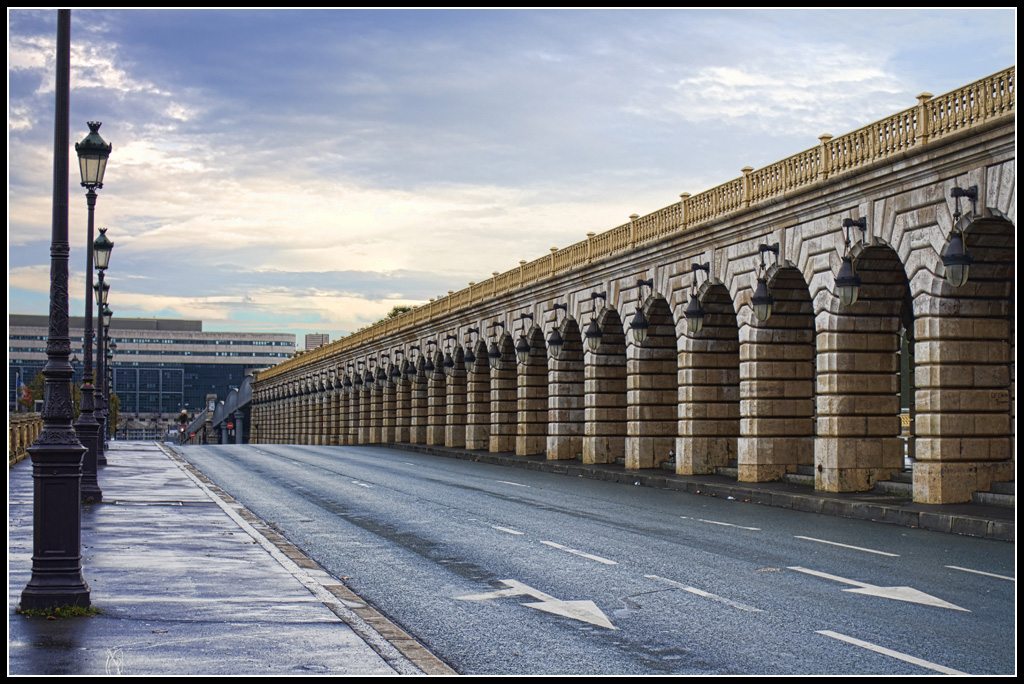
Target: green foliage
x=60, y=612
x=398, y=310
x=113, y=413
x=37, y=391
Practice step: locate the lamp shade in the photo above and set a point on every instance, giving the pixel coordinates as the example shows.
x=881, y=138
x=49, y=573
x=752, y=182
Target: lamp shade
x=101, y=248
x=494, y=355
x=92, y=156
x=522, y=349
x=694, y=314
x=847, y=283
x=762, y=300
x=102, y=290
x=957, y=260
x=555, y=343
x=639, y=325
x=593, y=335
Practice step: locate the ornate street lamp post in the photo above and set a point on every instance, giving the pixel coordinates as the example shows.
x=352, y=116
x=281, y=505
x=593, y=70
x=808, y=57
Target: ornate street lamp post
x=57, y=453
x=93, y=152
x=102, y=247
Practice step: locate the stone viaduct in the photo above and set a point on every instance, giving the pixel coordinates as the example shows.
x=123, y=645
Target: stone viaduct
x=778, y=320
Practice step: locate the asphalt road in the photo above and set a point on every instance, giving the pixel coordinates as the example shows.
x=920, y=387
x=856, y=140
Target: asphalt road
x=504, y=571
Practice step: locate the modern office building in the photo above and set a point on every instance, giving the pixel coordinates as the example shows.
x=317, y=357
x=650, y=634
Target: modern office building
x=314, y=340
x=160, y=366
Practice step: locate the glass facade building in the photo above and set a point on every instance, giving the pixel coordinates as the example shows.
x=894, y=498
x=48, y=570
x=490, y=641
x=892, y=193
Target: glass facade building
x=160, y=367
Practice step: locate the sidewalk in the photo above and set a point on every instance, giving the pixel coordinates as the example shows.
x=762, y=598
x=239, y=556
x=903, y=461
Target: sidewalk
x=189, y=582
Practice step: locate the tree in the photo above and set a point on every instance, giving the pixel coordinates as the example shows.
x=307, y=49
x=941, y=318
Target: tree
x=37, y=390
x=398, y=310
x=113, y=413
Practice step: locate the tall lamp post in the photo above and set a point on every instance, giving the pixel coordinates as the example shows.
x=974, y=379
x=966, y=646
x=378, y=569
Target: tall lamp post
x=57, y=578
x=101, y=247
x=93, y=152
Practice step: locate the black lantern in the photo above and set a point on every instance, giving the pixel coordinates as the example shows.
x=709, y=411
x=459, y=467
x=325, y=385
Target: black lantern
x=639, y=324
x=555, y=341
x=92, y=156
x=848, y=282
x=694, y=312
x=102, y=247
x=763, y=300
x=522, y=349
x=955, y=256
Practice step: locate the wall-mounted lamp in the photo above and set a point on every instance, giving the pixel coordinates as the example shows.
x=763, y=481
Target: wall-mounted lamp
x=522, y=344
x=955, y=256
x=448, y=365
x=555, y=341
x=593, y=333
x=848, y=282
x=428, y=365
x=469, y=358
x=639, y=324
x=763, y=300
x=694, y=312
x=493, y=353
x=410, y=367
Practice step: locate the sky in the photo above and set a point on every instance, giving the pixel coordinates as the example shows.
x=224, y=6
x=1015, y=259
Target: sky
x=307, y=170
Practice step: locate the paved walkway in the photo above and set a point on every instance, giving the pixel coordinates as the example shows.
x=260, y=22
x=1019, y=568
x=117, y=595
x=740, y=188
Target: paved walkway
x=189, y=582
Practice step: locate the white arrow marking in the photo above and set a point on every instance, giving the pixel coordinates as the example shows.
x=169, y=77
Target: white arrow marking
x=361, y=484
x=908, y=594
x=584, y=611
x=889, y=652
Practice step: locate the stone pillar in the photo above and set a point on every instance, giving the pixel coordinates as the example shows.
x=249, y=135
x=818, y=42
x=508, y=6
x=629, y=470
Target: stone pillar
x=418, y=416
x=652, y=391
x=963, y=424
x=436, y=403
x=455, y=410
x=376, y=433
x=858, y=427
x=709, y=384
x=776, y=402
x=604, y=398
x=565, y=397
x=478, y=402
x=389, y=417
x=532, y=399
x=239, y=427
x=403, y=410
x=503, y=399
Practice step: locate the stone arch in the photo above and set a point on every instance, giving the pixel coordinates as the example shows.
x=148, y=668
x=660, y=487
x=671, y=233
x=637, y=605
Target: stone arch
x=651, y=389
x=777, y=371
x=565, y=395
x=709, y=382
x=478, y=399
x=604, y=439
x=858, y=414
x=532, y=397
x=503, y=397
x=964, y=394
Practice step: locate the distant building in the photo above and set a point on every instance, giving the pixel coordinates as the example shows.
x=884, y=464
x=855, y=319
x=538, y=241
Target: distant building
x=314, y=340
x=160, y=367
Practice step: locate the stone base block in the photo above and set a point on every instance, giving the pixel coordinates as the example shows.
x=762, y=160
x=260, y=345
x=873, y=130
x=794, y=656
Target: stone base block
x=944, y=483
x=530, y=445
x=760, y=472
x=455, y=436
x=648, y=452
x=564, y=447
x=603, y=449
x=701, y=455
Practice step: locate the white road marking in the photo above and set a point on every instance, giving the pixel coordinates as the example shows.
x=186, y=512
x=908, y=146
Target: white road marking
x=505, y=529
x=514, y=484
x=584, y=611
x=724, y=524
x=580, y=553
x=981, y=572
x=706, y=594
x=362, y=484
x=847, y=546
x=892, y=654
x=908, y=594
